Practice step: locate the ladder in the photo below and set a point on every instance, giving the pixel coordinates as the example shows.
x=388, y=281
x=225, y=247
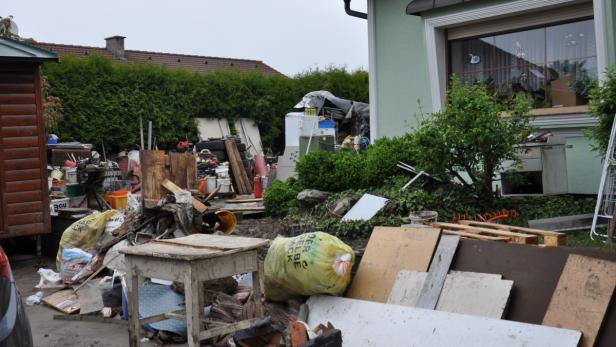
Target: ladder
x=606, y=197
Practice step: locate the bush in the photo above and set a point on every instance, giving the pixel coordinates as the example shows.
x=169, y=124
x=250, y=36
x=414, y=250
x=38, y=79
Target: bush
x=382, y=157
x=103, y=100
x=332, y=172
x=281, y=198
x=471, y=136
x=603, y=106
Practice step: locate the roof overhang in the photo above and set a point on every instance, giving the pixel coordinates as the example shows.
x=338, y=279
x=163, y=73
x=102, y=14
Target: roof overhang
x=17, y=51
x=416, y=7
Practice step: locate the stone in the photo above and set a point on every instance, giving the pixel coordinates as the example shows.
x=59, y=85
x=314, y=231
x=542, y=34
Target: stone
x=343, y=206
x=308, y=198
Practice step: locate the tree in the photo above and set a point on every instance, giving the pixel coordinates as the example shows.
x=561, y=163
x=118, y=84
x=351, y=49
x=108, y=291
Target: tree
x=603, y=106
x=471, y=138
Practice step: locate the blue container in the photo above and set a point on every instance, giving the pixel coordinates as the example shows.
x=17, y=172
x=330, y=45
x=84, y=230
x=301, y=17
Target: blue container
x=327, y=124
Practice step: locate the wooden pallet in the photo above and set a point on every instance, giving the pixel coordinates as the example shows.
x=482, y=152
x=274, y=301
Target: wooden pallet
x=501, y=232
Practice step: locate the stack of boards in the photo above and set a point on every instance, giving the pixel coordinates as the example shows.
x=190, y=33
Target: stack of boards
x=406, y=292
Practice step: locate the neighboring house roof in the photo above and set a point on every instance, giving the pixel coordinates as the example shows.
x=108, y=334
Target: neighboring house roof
x=13, y=50
x=195, y=63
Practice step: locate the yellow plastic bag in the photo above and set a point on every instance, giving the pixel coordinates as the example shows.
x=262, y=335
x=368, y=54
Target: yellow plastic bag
x=83, y=233
x=312, y=263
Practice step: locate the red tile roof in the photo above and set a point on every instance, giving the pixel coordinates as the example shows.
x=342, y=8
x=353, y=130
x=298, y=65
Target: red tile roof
x=195, y=63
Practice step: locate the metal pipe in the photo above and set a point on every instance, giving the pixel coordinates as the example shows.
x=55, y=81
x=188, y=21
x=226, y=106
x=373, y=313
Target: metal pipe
x=347, y=9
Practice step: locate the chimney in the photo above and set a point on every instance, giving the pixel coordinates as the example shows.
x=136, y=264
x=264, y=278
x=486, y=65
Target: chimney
x=115, y=45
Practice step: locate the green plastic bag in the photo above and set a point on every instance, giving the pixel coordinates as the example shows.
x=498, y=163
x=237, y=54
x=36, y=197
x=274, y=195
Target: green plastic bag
x=312, y=263
x=84, y=233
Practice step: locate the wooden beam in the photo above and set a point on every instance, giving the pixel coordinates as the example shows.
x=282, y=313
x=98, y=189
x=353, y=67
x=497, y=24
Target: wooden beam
x=237, y=168
x=474, y=236
x=515, y=237
x=152, y=173
x=550, y=238
x=226, y=329
x=172, y=187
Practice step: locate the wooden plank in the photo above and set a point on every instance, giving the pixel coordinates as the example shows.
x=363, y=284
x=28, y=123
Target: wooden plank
x=25, y=230
x=474, y=236
x=365, y=323
x=152, y=174
x=21, y=153
x=65, y=301
x=18, y=142
x=18, y=175
x=226, y=329
x=582, y=296
x=16, y=88
x=25, y=207
x=243, y=201
x=86, y=318
x=551, y=238
x=15, y=110
x=16, y=131
x=390, y=250
x=24, y=185
x=182, y=170
x=25, y=218
x=515, y=237
x=11, y=198
x=17, y=98
x=476, y=296
x=197, y=205
x=18, y=120
x=428, y=298
x=22, y=164
x=237, y=168
x=218, y=242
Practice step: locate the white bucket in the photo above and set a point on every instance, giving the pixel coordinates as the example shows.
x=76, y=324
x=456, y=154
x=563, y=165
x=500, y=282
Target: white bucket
x=71, y=174
x=225, y=185
x=210, y=184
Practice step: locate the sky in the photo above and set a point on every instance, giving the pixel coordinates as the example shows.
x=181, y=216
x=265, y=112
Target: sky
x=292, y=36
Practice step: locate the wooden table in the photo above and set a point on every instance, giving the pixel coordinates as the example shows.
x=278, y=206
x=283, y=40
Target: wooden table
x=192, y=260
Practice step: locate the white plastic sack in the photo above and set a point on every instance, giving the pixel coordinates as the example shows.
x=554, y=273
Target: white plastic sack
x=49, y=279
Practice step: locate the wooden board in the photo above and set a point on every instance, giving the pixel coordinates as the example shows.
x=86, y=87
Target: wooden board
x=365, y=323
x=476, y=294
x=550, y=238
x=240, y=177
x=428, y=298
x=183, y=170
x=515, y=237
x=152, y=174
x=468, y=235
x=65, y=301
x=390, y=250
x=172, y=187
x=532, y=290
x=581, y=299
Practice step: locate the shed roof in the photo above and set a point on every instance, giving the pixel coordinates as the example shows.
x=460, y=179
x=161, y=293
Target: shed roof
x=13, y=50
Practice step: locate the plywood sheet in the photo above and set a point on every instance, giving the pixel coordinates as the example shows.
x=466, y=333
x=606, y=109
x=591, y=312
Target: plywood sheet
x=582, y=296
x=407, y=288
x=484, y=297
x=365, y=323
x=366, y=208
x=65, y=301
x=535, y=272
x=390, y=250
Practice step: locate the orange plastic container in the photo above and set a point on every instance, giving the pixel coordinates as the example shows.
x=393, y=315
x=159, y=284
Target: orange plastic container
x=119, y=199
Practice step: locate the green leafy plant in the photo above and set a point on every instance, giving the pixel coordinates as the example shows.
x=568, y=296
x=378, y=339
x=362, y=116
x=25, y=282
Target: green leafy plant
x=281, y=198
x=603, y=106
x=471, y=138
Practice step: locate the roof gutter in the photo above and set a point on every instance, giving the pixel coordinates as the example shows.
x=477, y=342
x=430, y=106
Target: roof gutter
x=347, y=9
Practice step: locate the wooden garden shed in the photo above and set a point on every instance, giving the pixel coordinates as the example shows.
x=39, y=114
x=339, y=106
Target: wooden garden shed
x=24, y=196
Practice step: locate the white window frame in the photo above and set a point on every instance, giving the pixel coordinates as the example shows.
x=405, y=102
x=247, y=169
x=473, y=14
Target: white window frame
x=436, y=38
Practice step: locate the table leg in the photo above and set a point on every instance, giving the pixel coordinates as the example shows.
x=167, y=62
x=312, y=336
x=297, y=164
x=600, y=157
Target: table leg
x=193, y=309
x=257, y=279
x=134, y=328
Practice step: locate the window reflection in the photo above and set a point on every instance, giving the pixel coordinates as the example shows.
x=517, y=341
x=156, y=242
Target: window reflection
x=554, y=65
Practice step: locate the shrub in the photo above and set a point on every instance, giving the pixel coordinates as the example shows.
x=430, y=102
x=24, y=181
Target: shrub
x=333, y=172
x=382, y=157
x=603, y=106
x=281, y=198
x=471, y=136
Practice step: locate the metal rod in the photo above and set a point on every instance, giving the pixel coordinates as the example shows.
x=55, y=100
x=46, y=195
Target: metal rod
x=141, y=131
x=150, y=135
x=104, y=155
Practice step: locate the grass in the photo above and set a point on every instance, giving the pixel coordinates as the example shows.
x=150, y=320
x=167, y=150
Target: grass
x=582, y=239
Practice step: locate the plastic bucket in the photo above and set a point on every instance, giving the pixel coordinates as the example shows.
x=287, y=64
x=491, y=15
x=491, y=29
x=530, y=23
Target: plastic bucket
x=227, y=221
x=210, y=184
x=71, y=174
x=224, y=184
x=119, y=199
x=423, y=217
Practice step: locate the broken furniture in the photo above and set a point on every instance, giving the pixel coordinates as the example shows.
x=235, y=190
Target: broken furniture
x=192, y=260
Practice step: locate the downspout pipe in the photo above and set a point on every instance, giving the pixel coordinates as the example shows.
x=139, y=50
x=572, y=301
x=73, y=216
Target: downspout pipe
x=347, y=9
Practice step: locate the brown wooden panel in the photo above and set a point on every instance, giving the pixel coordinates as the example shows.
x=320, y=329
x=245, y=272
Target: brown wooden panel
x=24, y=218
x=17, y=109
x=17, y=77
x=25, y=207
x=18, y=98
x=7, y=88
x=25, y=230
x=21, y=120
x=22, y=164
x=23, y=186
x=20, y=175
x=26, y=130
x=21, y=153
x=12, y=198
x=17, y=142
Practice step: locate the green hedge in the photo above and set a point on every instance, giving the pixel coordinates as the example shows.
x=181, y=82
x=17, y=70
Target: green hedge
x=103, y=100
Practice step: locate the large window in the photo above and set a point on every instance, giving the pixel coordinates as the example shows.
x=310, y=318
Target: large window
x=553, y=64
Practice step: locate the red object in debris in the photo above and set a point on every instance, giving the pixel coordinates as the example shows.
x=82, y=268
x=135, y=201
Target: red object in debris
x=260, y=165
x=298, y=334
x=258, y=192
x=70, y=163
